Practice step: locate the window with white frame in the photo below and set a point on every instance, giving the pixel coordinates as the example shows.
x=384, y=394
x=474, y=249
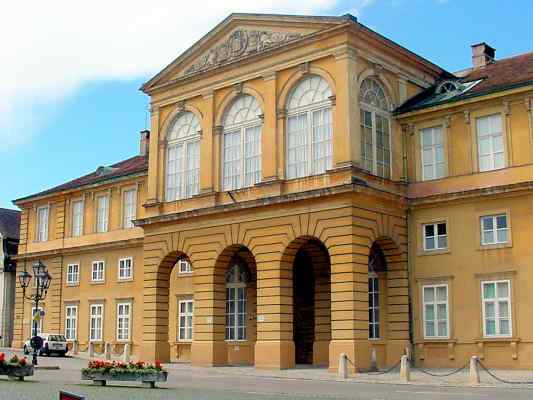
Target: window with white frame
x=123, y=321
x=183, y=157
x=436, y=317
x=236, y=282
x=185, y=266
x=96, y=322
x=375, y=129
x=185, y=320
x=71, y=321
x=129, y=208
x=102, y=213
x=435, y=236
x=496, y=308
x=494, y=229
x=432, y=146
x=373, y=306
x=73, y=274
x=309, y=128
x=98, y=271
x=241, y=166
x=77, y=217
x=42, y=223
x=491, y=150
x=37, y=316
x=125, y=268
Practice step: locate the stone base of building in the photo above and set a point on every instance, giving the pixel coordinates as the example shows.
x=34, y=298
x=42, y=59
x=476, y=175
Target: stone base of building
x=274, y=354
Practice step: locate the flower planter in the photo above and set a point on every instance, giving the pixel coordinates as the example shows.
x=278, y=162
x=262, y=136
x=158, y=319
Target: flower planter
x=148, y=379
x=16, y=371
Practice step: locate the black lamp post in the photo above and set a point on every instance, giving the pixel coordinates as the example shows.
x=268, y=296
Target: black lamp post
x=42, y=284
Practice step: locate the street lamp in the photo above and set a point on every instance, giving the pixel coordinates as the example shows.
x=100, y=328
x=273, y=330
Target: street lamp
x=42, y=284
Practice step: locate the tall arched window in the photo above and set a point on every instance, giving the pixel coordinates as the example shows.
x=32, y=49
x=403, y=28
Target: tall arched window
x=242, y=143
x=237, y=280
x=183, y=157
x=309, y=128
x=375, y=129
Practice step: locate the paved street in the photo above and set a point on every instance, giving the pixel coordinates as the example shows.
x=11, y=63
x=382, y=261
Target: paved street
x=229, y=383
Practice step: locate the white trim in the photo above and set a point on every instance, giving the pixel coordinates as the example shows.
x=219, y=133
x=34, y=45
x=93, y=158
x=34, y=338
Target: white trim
x=433, y=147
x=185, y=315
x=119, y=316
x=69, y=282
x=435, y=320
x=102, y=221
x=103, y=271
x=42, y=232
x=124, y=259
x=496, y=302
x=74, y=318
x=101, y=317
x=127, y=219
x=79, y=231
x=435, y=236
x=188, y=270
x=495, y=229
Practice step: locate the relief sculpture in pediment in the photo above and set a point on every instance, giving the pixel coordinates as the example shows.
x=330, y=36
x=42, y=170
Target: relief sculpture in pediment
x=240, y=43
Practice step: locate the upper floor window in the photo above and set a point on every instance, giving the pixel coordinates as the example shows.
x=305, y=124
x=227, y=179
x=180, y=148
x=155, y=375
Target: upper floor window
x=491, y=151
x=77, y=218
x=102, y=213
x=185, y=266
x=42, y=223
x=129, y=208
x=183, y=157
x=435, y=236
x=125, y=268
x=375, y=129
x=309, y=128
x=494, y=229
x=432, y=145
x=242, y=143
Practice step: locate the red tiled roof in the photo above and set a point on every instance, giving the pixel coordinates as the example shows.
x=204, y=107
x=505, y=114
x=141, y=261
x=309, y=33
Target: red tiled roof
x=130, y=166
x=502, y=73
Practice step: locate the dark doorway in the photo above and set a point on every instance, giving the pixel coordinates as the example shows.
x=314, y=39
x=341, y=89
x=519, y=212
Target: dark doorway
x=303, y=307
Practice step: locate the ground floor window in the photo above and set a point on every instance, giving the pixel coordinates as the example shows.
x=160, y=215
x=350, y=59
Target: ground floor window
x=71, y=317
x=435, y=311
x=185, y=320
x=236, y=313
x=373, y=307
x=496, y=308
x=96, y=322
x=123, y=321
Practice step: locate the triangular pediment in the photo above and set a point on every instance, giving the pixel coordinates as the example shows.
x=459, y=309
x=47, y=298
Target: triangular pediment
x=240, y=36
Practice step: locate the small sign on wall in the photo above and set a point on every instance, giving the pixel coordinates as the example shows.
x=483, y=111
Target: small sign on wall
x=260, y=318
x=208, y=320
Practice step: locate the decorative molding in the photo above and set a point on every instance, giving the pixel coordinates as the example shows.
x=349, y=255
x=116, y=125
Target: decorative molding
x=238, y=87
x=217, y=130
x=527, y=102
x=467, y=116
x=208, y=95
x=304, y=68
x=506, y=108
x=408, y=129
x=180, y=105
x=345, y=52
x=269, y=76
x=447, y=121
x=281, y=113
x=333, y=99
x=241, y=42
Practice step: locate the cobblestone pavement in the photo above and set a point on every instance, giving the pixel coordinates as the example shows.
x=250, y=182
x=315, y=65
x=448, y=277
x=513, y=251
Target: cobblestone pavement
x=222, y=383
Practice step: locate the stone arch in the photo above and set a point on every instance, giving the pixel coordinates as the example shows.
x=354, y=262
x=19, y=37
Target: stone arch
x=309, y=321
x=175, y=113
x=295, y=78
x=228, y=99
x=382, y=79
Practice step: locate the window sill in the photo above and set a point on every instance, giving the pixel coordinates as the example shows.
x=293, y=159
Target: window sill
x=436, y=340
x=182, y=342
x=184, y=273
x=423, y=253
x=236, y=342
x=497, y=339
x=73, y=284
x=124, y=280
x=482, y=247
x=97, y=282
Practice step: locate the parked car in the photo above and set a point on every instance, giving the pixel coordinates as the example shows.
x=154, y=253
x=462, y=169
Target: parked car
x=52, y=343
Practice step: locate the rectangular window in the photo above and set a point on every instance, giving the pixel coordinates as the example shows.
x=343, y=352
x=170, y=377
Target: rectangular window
x=382, y=147
x=236, y=313
x=367, y=143
x=491, y=151
x=125, y=268
x=71, y=320
x=432, y=144
x=73, y=274
x=129, y=208
x=375, y=143
x=192, y=169
x=102, y=213
x=373, y=307
x=494, y=229
x=297, y=146
x=183, y=170
x=123, y=321
x=496, y=308
x=252, y=155
x=98, y=271
x=77, y=218
x=42, y=223
x=37, y=319
x=232, y=160
x=185, y=320
x=322, y=150
x=435, y=236
x=435, y=299
x=96, y=322
x=185, y=266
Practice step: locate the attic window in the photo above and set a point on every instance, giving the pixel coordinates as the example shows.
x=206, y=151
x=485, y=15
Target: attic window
x=448, y=87
x=103, y=170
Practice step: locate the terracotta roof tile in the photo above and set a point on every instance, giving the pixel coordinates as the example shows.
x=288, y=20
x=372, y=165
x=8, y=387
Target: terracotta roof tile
x=130, y=166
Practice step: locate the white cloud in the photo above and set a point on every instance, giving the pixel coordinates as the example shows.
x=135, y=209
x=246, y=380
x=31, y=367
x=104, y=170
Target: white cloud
x=56, y=46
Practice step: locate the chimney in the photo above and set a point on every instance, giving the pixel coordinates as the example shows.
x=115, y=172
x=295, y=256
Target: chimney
x=482, y=54
x=145, y=142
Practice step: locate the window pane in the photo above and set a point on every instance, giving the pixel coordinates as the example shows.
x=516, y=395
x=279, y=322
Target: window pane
x=490, y=327
x=487, y=223
x=489, y=291
x=503, y=289
x=441, y=229
x=442, y=328
x=504, y=327
x=430, y=312
x=501, y=235
x=441, y=293
x=430, y=243
x=430, y=328
x=429, y=294
x=442, y=242
x=501, y=221
x=489, y=310
x=430, y=230
x=488, y=237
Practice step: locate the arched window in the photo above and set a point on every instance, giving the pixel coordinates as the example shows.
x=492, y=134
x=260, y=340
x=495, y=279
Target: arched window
x=309, y=128
x=242, y=143
x=183, y=157
x=375, y=129
x=237, y=279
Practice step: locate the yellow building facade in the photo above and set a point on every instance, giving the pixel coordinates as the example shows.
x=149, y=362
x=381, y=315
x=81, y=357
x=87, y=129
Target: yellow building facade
x=302, y=193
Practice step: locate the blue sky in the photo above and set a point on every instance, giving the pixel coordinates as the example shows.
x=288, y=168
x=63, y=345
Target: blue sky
x=72, y=101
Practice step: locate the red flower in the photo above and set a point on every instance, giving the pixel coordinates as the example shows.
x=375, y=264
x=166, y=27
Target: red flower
x=158, y=365
x=2, y=358
x=23, y=362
